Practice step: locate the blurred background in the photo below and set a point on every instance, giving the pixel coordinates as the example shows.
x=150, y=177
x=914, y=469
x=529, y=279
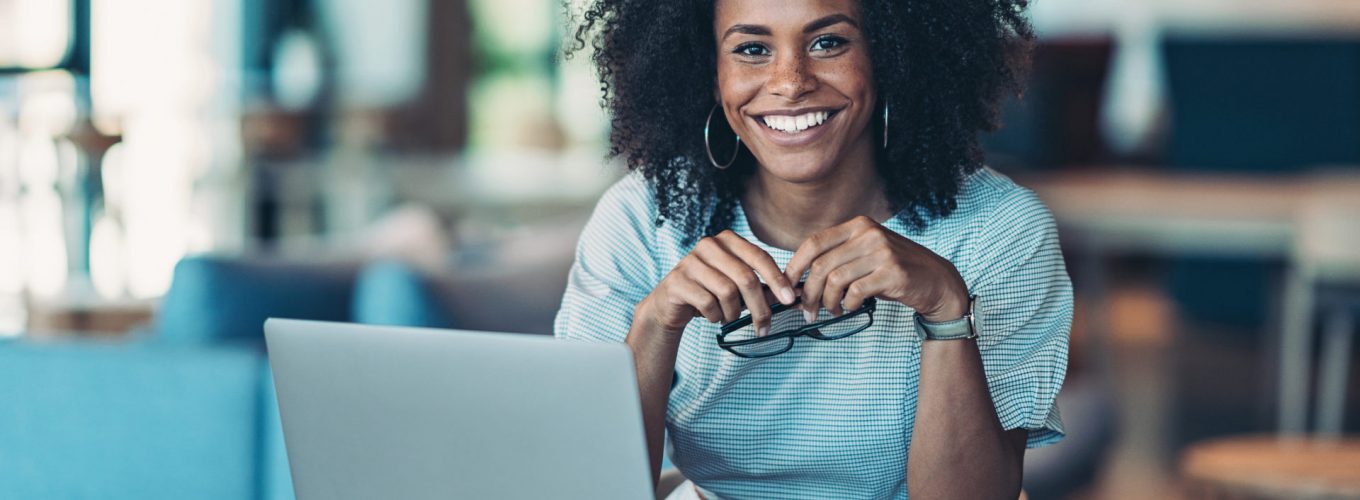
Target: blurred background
x=172, y=172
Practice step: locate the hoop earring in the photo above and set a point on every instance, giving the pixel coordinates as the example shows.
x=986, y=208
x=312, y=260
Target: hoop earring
x=709, y=149
x=885, y=126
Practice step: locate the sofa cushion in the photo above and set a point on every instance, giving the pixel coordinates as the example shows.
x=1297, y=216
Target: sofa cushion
x=213, y=298
x=396, y=293
x=137, y=420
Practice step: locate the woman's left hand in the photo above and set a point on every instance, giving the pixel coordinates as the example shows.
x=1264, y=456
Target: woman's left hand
x=860, y=258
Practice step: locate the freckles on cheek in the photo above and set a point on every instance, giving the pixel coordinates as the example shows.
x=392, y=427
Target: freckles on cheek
x=851, y=76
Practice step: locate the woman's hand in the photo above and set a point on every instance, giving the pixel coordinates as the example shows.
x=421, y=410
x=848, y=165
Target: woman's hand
x=713, y=281
x=860, y=258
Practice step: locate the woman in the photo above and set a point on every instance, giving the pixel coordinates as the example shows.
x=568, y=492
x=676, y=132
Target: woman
x=821, y=156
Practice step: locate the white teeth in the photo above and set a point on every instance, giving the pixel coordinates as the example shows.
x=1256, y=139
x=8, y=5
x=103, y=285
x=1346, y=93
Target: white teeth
x=794, y=124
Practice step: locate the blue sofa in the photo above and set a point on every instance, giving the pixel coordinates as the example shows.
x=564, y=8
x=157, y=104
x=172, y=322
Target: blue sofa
x=140, y=419
x=187, y=408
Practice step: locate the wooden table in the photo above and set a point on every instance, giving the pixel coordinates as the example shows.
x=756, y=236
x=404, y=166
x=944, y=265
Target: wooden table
x=1130, y=210
x=88, y=317
x=1113, y=210
x=1273, y=467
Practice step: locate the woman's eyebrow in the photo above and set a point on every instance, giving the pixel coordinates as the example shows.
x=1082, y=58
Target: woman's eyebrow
x=829, y=21
x=747, y=29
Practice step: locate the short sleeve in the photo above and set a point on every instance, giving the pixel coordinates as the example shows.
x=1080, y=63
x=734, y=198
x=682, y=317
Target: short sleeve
x=1024, y=309
x=614, y=268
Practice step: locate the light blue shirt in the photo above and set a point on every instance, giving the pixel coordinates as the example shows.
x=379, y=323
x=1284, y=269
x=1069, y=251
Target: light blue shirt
x=833, y=419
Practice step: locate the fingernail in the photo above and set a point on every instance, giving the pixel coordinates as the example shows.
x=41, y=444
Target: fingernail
x=786, y=295
x=762, y=331
x=810, y=316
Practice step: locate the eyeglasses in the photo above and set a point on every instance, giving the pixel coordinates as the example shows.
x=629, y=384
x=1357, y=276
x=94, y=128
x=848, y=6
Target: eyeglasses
x=787, y=323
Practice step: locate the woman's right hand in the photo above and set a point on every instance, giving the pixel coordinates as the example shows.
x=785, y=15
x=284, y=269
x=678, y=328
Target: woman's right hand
x=721, y=274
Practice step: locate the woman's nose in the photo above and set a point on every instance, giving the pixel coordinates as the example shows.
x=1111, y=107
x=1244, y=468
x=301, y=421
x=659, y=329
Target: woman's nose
x=792, y=79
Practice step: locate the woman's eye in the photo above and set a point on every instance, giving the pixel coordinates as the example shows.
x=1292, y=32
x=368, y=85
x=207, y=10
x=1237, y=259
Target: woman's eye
x=828, y=43
x=751, y=49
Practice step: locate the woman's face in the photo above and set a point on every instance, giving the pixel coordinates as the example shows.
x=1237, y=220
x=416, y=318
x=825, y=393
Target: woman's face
x=796, y=83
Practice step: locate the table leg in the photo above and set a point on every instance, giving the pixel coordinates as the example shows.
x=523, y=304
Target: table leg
x=1295, y=353
x=1336, y=367
x=1094, y=296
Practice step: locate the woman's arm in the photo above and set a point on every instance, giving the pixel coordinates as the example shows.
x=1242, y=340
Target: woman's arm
x=717, y=280
x=970, y=390
x=958, y=449
x=654, y=352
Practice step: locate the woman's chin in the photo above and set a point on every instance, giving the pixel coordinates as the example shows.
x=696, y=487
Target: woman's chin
x=798, y=168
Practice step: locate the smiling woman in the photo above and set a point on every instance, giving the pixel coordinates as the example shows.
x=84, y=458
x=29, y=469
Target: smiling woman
x=822, y=155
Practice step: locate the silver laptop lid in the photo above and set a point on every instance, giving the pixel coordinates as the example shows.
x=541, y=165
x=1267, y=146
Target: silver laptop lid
x=391, y=412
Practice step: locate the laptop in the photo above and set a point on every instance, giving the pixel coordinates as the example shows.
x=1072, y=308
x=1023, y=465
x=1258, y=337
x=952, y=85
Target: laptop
x=413, y=413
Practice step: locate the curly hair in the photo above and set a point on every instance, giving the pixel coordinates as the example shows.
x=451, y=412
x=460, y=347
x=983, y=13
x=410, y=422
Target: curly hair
x=942, y=66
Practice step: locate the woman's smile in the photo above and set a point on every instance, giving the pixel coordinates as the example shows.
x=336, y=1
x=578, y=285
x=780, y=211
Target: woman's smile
x=795, y=128
x=795, y=121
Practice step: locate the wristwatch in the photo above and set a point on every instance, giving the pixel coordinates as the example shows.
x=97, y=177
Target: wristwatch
x=962, y=328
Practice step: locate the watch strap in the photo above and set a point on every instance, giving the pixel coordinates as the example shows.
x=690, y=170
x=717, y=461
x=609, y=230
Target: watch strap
x=962, y=328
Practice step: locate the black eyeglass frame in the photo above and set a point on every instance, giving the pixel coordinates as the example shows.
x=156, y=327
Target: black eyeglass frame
x=812, y=330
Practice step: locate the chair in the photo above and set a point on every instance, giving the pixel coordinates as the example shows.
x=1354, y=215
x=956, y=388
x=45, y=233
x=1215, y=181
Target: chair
x=1324, y=278
x=1256, y=104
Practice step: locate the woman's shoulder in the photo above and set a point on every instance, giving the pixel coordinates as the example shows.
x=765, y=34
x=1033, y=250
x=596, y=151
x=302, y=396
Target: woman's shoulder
x=987, y=196
x=627, y=219
x=1001, y=224
x=629, y=198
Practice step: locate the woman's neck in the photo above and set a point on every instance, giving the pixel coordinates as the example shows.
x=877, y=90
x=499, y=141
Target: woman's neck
x=784, y=214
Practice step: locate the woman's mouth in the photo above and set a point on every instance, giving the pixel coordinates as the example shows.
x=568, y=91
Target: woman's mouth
x=792, y=124
x=796, y=130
